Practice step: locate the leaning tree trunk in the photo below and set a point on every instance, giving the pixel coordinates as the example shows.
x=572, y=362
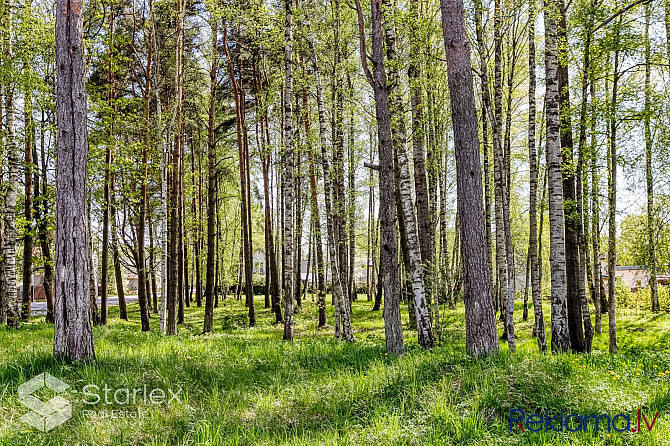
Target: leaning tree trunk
x=73, y=337
x=480, y=326
x=560, y=336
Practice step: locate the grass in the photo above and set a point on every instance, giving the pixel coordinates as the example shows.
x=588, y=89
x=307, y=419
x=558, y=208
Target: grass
x=245, y=386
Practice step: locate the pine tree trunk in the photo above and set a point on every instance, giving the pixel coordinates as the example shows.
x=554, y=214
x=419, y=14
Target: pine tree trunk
x=152, y=268
x=480, y=328
x=211, y=187
x=389, y=243
x=41, y=213
x=116, y=255
x=142, y=296
x=560, y=335
x=73, y=337
x=173, y=182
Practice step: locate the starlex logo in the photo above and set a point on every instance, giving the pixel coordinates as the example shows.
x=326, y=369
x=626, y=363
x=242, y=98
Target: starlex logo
x=45, y=415
x=578, y=423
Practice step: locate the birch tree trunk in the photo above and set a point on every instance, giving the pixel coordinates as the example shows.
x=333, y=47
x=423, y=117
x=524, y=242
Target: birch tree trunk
x=288, y=166
x=315, y=216
x=480, y=327
x=73, y=337
x=421, y=310
x=9, y=236
x=560, y=336
x=342, y=311
x=426, y=229
x=532, y=205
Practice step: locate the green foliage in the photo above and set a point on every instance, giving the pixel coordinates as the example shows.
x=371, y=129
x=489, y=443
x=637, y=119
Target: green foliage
x=640, y=300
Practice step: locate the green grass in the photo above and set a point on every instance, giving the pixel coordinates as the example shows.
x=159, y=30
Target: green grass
x=245, y=386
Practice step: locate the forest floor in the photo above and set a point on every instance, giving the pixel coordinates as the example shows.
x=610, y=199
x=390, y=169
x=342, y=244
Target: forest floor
x=245, y=386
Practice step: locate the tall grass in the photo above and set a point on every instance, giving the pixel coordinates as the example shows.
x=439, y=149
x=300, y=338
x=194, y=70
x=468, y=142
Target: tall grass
x=245, y=386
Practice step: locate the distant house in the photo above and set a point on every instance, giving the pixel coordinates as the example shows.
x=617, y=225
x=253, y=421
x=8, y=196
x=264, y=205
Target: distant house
x=308, y=267
x=636, y=277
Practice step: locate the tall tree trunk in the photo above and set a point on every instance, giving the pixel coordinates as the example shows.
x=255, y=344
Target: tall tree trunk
x=560, y=335
x=315, y=214
x=582, y=192
x=595, y=217
x=73, y=337
x=142, y=296
x=651, y=225
x=152, y=269
x=173, y=181
x=480, y=327
x=211, y=186
x=243, y=156
x=535, y=265
x=28, y=205
x=342, y=312
x=116, y=255
x=486, y=110
x=389, y=244
x=182, y=273
x=9, y=235
x=41, y=215
x=611, y=198
x=575, y=316
x=426, y=229
x=92, y=288
x=421, y=310
x=289, y=174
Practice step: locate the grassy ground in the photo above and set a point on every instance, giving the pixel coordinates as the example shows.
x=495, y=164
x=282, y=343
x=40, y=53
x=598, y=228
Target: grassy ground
x=247, y=386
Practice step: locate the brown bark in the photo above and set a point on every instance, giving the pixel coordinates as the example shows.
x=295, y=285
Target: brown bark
x=480, y=328
x=73, y=338
x=389, y=244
